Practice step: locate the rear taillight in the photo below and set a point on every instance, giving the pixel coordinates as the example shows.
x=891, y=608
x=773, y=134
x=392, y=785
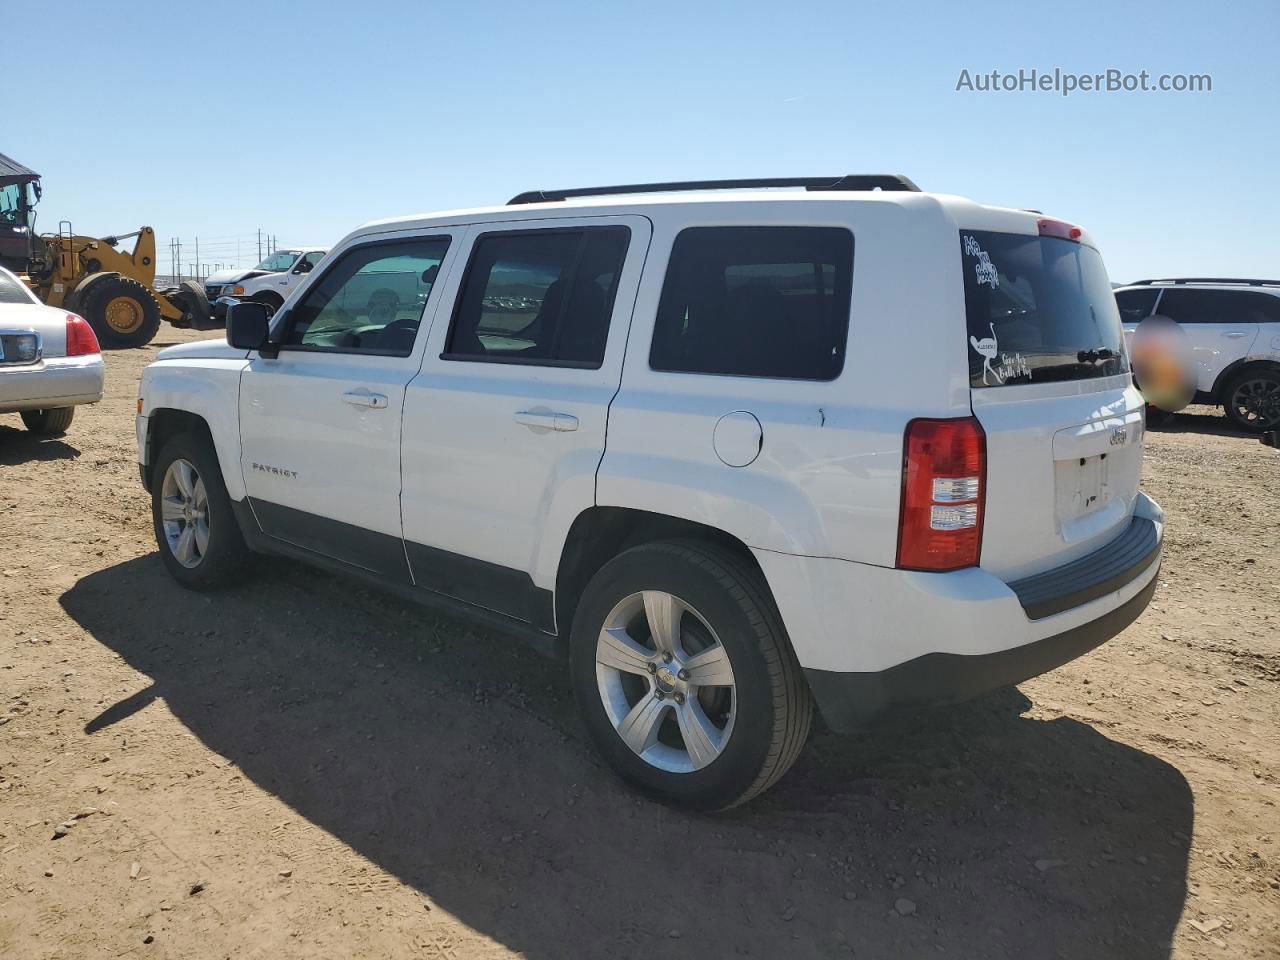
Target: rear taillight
x=80, y=337
x=944, y=478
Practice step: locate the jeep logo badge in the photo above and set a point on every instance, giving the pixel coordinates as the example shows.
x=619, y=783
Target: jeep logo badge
x=1119, y=437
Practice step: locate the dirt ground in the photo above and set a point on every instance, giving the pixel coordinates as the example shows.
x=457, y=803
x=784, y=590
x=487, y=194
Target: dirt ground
x=302, y=768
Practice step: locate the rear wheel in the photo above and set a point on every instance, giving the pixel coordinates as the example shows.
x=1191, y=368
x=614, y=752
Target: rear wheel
x=48, y=422
x=196, y=531
x=684, y=675
x=1253, y=399
x=122, y=312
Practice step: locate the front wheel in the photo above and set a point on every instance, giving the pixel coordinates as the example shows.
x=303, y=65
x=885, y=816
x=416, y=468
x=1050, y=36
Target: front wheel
x=196, y=531
x=48, y=423
x=685, y=677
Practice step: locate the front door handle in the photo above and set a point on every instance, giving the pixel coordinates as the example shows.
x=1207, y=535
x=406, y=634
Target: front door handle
x=543, y=420
x=1235, y=334
x=363, y=398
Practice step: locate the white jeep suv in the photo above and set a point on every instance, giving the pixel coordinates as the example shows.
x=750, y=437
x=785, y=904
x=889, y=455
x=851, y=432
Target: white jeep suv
x=728, y=450
x=1232, y=329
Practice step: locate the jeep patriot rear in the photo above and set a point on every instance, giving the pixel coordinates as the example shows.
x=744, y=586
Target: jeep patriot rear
x=728, y=450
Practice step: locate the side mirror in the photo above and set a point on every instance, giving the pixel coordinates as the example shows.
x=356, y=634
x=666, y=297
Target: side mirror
x=304, y=266
x=248, y=325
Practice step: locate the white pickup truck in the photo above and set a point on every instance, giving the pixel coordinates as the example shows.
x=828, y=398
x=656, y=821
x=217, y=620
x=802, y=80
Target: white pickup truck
x=272, y=289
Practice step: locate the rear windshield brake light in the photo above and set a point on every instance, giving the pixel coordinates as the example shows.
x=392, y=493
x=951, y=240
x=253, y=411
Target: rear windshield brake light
x=1059, y=228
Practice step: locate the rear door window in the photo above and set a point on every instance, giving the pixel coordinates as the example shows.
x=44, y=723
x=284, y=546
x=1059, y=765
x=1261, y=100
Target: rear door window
x=1135, y=305
x=541, y=297
x=756, y=302
x=1039, y=309
x=1219, y=306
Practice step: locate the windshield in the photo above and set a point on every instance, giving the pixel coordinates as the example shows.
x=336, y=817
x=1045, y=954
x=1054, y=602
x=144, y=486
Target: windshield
x=278, y=261
x=1039, y=309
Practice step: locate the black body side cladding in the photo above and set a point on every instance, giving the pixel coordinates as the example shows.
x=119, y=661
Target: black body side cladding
x=316, y=547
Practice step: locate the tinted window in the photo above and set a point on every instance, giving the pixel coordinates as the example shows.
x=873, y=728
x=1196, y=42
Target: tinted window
x=13, y=291
x=756, y=302
x=1219, y=306
x=1038, y=308
x=539, y=296
x=370, y=300
x=1135, y=304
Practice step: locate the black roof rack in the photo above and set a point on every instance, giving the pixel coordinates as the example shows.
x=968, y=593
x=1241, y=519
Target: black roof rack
x=852, y=181
x=1234, y=280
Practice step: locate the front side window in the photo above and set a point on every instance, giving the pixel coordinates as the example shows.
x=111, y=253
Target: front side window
x=1135, y=305
x=756, y=302
x=539, y=296
x=10, y=195
x=1219, y=306
x=1038, y=309
x=308, y=261
x=370, y=301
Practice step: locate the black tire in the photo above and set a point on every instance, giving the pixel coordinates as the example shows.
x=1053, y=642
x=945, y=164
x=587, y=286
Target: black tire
x=1252, y=399
x=272, y=301
x=141, y=309
x=225, y=559
x=47, y=423
x=774, y=708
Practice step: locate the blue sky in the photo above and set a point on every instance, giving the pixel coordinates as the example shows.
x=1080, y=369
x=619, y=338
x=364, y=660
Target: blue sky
x=309, y=119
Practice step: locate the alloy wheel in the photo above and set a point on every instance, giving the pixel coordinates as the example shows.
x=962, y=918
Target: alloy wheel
x=666, y=682
x=184, y=513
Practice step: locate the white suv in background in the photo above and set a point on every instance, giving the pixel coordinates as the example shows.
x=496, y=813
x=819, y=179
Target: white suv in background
x=727, y=450
x=1233, y=330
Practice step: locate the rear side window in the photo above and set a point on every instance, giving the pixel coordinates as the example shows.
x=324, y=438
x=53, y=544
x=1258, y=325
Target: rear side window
x=13, y=291
x=756, y=302
x=1135, y=305
x=1220, y=306
x=540, y=297
x=1038, y=309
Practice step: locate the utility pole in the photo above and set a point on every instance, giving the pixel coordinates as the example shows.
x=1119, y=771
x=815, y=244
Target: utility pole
x=259, y=244
x=178, y=257
x=197, y=259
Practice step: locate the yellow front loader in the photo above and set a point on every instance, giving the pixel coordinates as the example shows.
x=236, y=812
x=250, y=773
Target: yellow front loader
x=114, y=290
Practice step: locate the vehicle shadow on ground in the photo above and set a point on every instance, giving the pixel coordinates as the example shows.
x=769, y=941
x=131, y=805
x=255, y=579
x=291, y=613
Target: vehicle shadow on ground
x=18, y=446
x=1206, y=420
x=452, y=759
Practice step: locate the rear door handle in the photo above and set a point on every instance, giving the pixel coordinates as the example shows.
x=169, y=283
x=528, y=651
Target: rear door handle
x=364, y=398
x=539, y=420
x=1235, y=334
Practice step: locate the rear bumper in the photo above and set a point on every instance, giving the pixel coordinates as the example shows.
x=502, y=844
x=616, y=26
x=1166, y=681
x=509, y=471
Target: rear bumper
x=53, y=382
x=870, y=637
x=849, y=700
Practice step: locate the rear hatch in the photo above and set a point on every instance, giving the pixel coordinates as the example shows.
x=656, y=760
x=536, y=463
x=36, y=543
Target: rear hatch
x=1049, y=382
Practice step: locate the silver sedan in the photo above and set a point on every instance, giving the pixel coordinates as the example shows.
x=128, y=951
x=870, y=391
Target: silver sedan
x=50, y=361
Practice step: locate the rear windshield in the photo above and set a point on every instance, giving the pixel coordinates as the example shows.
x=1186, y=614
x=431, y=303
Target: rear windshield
x=13, y=291
x=1039, y=309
